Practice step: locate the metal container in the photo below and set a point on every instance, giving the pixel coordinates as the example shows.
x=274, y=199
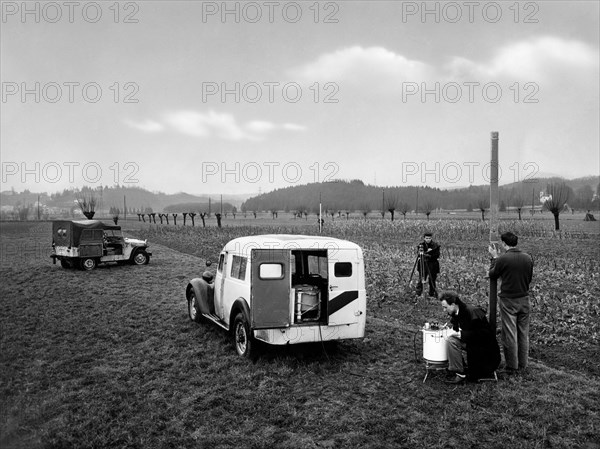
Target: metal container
x=307, y=302
x=435, y=348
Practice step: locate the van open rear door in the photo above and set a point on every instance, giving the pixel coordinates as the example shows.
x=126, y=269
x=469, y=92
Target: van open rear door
x=343, y=267
x=270, y=295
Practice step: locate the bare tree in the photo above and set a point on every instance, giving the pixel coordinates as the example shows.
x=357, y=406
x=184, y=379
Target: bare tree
x=482, y=204
x=428, y=208
x=558, y=196
x=519, y=202
x=391, y=202
x=366, y=209
x=87, y=203
x=404, y=208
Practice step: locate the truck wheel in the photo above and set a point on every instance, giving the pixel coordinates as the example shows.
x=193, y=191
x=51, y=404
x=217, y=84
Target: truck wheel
x=140, y=258
x=88, y=264
x=242, y=338
x=66, y=264
x=193, y=309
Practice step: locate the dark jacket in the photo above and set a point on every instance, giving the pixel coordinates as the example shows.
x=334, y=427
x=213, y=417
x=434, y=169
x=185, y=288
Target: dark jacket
x=515, y=268
x=431, y=257
x=483, y=352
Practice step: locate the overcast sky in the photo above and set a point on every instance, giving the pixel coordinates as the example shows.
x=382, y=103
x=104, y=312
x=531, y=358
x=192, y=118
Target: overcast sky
x=213, y=97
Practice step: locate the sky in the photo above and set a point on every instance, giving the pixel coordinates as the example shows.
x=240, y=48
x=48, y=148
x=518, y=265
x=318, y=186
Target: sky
x=248, y=97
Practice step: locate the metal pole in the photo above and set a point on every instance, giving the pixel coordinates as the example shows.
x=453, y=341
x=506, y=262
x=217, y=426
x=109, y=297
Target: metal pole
x=494, y=223
x=320, y=222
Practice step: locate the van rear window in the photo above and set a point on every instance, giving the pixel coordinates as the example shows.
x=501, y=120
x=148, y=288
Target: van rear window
x=270, y=271
x=342, y=269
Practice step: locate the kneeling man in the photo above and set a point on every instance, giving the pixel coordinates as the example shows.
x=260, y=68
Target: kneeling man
x=475, y=336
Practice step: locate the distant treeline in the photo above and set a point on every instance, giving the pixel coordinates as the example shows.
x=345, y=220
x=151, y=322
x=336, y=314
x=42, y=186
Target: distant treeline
x=356, y=196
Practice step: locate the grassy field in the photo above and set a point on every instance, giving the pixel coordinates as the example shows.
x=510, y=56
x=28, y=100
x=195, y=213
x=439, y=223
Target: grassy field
x=109, y=358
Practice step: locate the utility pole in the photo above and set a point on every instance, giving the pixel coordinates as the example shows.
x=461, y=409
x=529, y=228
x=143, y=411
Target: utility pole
x=494, y=223
x=124, y=207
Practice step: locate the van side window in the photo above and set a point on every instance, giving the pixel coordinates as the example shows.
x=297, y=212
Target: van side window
x=92, y=234
x=342, y=269
x=221, y=261
x=238, y=267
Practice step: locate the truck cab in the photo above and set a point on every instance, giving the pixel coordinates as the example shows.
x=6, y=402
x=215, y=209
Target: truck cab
x=86, y=243
x=283, y=289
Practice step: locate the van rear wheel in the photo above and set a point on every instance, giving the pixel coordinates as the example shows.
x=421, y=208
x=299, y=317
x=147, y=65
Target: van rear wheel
x=242, y=337
x=88, y=264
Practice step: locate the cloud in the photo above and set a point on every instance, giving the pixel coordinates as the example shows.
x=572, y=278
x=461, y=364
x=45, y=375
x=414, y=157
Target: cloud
x=540, y=59
x=206, y=124
x=148, y=126
x=545, y=58
x=293, y=127
x=213, y=124
x=260, y=126
x=358, y=65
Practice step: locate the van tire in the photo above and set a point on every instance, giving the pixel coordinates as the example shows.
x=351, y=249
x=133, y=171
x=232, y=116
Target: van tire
x=243, y=341
x=88, y=264
x=140, y=257
x=193, y=308
x=66, y=264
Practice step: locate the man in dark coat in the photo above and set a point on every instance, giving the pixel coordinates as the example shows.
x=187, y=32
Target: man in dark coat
x=473, y=334
x=515, y=269
x=428, y=266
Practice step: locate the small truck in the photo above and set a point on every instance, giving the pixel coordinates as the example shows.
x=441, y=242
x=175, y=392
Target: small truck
x=283, y=289
x=86, y=243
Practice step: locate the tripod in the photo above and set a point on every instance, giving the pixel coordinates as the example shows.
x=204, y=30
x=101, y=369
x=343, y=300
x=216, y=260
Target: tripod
x=425, y=276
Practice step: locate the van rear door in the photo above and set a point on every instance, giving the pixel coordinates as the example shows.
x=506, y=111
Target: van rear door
x=343, y=265
x=270, y=294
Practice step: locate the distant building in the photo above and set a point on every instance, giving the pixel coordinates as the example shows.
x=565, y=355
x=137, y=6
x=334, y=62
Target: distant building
x=544, y=197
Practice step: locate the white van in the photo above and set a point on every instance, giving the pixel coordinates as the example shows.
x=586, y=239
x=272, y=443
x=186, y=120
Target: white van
x=283, y=289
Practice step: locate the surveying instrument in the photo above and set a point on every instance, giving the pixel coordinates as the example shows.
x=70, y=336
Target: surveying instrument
x=424, y=273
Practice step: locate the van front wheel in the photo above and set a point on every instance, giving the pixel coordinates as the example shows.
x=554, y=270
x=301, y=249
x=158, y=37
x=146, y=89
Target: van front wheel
x=242, y=337
x=140, y=258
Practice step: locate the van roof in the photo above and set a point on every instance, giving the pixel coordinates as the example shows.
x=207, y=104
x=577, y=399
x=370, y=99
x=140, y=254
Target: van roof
x=243, y=245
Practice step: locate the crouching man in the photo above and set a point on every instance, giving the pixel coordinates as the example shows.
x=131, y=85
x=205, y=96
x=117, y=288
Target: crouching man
x=474, y=335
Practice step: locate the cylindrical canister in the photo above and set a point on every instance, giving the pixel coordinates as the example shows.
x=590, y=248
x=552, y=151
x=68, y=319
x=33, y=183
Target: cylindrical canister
x=434, y=345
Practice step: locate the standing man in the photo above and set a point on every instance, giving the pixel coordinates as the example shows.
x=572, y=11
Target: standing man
x=515, y=269
x=473, y=335
x=431, y=266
